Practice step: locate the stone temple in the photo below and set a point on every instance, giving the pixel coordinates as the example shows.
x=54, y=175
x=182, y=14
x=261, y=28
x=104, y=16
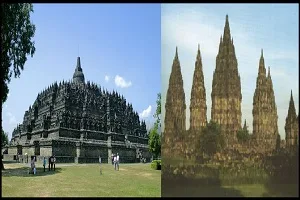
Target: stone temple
x=77, y=121
x=175, y=116
x=226, y=88
x=265, y=128
x=292, y=126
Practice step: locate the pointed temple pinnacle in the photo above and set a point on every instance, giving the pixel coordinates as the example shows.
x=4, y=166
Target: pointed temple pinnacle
x=262, y=53
x=176, y=54
x=78, y=66
x=198, y=53
x=226, y=35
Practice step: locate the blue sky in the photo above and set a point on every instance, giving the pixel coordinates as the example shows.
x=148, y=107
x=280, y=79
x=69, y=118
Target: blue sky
x=273, y=27
x=119, y=47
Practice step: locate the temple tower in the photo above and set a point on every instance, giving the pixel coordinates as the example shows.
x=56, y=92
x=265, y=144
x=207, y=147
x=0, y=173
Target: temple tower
x=226, y=88
x=198, y=106
x=291, y=126
x=265, y=128
x=78, y=76
x=273, y=127
x=175, y=107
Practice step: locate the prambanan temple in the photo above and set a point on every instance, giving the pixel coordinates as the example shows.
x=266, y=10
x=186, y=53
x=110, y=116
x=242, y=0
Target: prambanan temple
x=77, y=121
x=226, y=98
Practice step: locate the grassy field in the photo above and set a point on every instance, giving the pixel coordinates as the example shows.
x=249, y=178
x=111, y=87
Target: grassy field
x=82, y=180
x=216, y=181
x=243, y=190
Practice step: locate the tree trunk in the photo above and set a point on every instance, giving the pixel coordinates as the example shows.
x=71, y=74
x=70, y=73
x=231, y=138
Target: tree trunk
x=2, y=168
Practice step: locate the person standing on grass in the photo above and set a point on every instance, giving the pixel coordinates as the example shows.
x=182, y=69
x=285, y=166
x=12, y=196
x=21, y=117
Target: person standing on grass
x=44, y=164
x=34, y=169
x=117, y=159
x=32, y=166
x=115, y=162
x=49, y=161
x=54, y=161
x=112, y=159
x=100, y=165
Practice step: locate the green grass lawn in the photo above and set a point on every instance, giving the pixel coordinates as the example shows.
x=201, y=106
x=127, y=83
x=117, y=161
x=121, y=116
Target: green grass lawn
x=81, y=180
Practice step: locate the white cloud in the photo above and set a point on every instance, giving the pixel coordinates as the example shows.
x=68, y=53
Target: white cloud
x=11, y=118
x=189, y=28
x=121, y=82
x=106, y=78
x=146, y=113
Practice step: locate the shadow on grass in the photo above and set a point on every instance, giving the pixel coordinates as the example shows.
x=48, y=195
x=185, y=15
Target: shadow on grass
x=204, y=187
x=24, y=172
x=180, y=186
x=284, y=174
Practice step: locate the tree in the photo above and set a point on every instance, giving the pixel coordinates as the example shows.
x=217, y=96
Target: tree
x=17, y=32
x=211, y=140
x=243, y=134
x=154, y=136
x=154, y=141
x=157, y=113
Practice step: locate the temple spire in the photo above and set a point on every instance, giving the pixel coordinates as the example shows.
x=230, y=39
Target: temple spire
x=78, y=75
x=198, y=108
x=78, y=66
x=262, y=69
x=292, y=105
x=199, y=54
x=176, y=53
x=245, y=125
x=227, y=35
x=292, y=111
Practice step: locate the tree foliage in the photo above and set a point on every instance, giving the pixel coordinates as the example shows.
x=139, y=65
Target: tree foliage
x=243, y=135
x=154, y=135
x=17, y=33
x=4, y=139
x=211, y=140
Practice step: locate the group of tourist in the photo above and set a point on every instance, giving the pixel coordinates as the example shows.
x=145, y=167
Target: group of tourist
x=115, y=159
x=51, y=164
